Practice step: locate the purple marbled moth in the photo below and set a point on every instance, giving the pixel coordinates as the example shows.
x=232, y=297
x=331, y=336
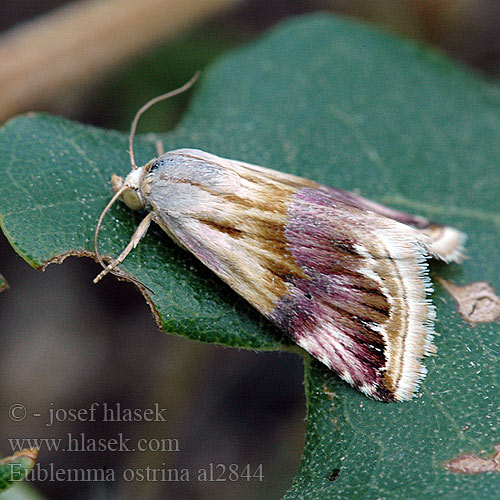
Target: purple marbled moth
x=344, y=277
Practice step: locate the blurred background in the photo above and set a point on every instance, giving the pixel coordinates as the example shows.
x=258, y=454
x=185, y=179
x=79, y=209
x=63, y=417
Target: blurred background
x=67, y=343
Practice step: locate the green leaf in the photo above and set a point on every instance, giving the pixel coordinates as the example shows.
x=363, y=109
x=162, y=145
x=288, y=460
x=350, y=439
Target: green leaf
x=350, y=107
x=14, y=468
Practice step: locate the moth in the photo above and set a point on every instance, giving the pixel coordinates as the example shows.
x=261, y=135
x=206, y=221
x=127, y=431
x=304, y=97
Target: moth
x=346, y=278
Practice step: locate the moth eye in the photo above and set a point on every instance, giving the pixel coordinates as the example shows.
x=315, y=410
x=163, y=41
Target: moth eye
x=155, y=165
x=131, y=198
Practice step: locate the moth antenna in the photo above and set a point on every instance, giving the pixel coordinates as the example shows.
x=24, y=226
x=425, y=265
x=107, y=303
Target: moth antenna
x=99, y=222
x=146, y=106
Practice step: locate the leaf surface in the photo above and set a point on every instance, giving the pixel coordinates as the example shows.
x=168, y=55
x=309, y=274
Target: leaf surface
x=14, y=468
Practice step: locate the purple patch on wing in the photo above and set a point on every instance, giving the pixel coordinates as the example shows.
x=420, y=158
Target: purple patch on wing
x=333, y=312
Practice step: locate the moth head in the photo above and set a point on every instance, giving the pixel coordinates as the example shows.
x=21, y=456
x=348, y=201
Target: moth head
x=130, y=188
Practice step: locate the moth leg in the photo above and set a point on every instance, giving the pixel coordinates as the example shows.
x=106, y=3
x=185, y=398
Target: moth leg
x=141, y=230
x=159, y=147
